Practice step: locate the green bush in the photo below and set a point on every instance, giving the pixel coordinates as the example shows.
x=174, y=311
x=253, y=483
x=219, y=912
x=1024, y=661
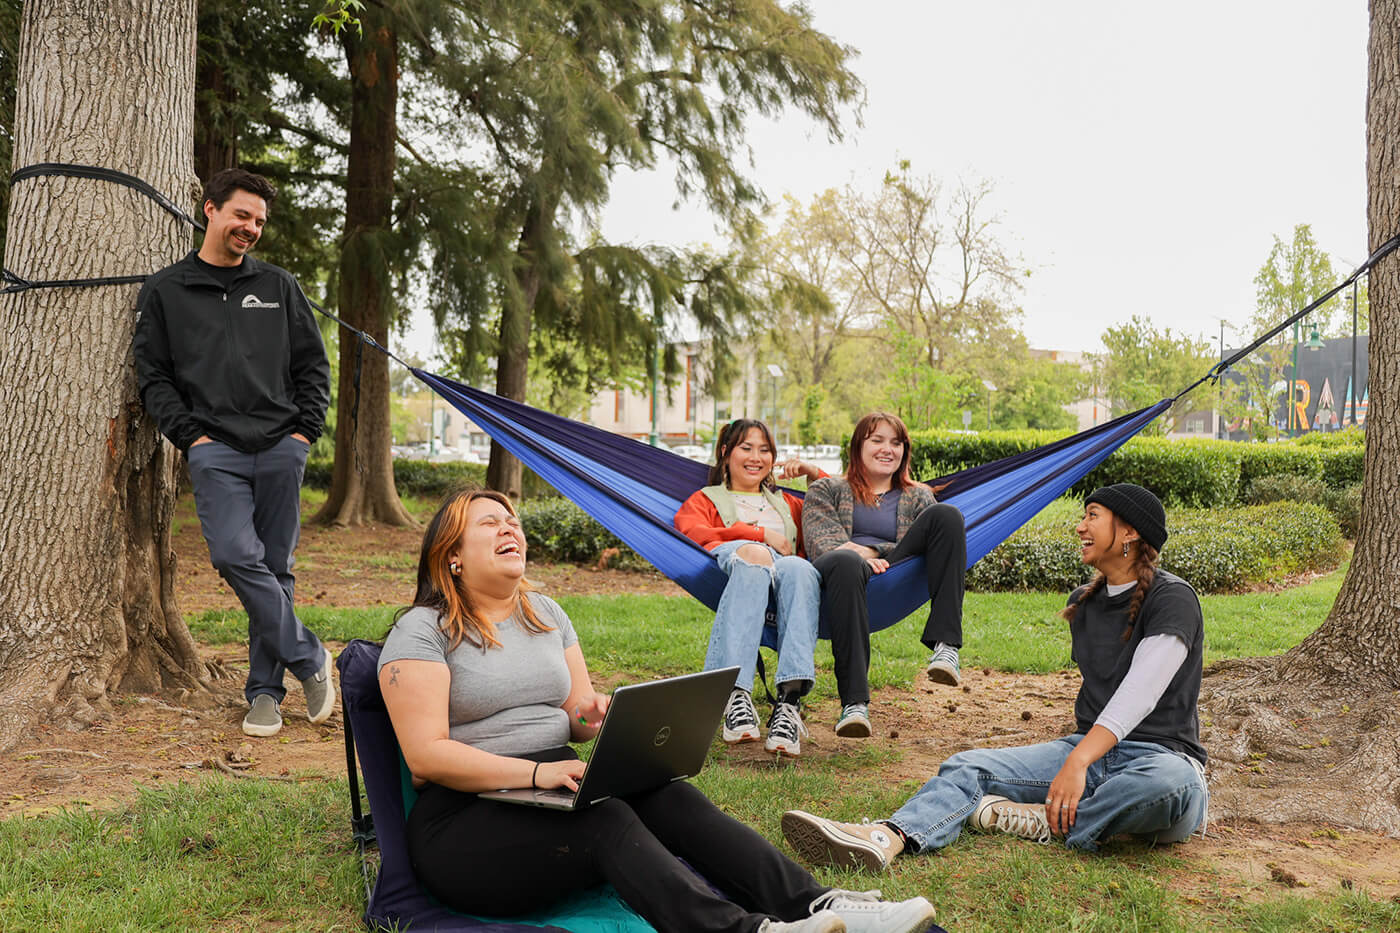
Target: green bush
x=1342, y=466
x=1192, y=473
x=1258, y=460
x=1280, y=487
x=1345, y=506
x=432, y=480
x=556, y=529
x=1216, y=550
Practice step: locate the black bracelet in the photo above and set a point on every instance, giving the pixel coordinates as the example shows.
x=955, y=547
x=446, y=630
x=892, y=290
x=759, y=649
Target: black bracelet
x=532, y=776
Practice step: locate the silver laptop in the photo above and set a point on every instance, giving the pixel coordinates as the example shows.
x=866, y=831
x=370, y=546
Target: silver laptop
x=653, y=733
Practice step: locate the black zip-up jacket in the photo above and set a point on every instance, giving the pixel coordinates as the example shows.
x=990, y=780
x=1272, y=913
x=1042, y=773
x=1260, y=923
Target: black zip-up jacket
x=246, y=367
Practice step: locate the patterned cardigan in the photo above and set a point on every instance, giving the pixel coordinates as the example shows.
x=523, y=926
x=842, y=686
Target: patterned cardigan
x=829, y=506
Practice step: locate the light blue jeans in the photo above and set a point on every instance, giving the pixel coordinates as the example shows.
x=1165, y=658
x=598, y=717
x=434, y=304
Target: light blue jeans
x=743, y=607
x=1138, y=787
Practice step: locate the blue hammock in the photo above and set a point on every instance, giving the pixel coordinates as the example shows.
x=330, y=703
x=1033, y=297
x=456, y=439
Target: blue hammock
x=634, y=490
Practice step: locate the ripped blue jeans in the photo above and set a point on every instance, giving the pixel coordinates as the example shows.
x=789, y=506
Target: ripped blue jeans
x=1137, y=787
x=743, y=607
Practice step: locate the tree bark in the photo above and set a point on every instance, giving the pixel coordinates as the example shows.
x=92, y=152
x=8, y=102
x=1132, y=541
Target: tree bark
x=1314, y=735
x=87, y=602
x=362, y=481
x=1359, y=645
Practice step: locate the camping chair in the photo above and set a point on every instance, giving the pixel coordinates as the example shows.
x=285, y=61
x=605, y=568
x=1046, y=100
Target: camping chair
x=394, y=899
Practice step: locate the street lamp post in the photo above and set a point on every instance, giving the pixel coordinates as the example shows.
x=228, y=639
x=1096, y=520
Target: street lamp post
x=776, y=372
x=990, y=389
x=1355, y=373
x=1314, y=343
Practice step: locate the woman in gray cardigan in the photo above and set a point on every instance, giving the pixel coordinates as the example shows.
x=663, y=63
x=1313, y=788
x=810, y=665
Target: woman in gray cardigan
x=861, y=524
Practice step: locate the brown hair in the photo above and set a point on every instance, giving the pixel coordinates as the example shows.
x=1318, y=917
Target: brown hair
x=447, y=593
x=733, y=434
x=223, y=184
x=1144, y=566
x=855, y=470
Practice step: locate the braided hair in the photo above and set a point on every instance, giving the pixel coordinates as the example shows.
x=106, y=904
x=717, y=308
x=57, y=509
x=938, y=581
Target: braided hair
x=1145, y=568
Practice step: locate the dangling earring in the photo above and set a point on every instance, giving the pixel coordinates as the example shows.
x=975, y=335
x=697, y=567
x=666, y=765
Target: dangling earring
x=1125, y=549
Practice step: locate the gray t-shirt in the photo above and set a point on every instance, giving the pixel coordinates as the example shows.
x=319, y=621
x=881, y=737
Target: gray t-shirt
x=504, y=700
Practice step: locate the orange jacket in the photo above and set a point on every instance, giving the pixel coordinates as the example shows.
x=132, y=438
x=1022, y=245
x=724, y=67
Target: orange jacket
x=699, y=520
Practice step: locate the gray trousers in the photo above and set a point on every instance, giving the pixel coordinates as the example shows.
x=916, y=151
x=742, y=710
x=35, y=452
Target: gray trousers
x=250, y=512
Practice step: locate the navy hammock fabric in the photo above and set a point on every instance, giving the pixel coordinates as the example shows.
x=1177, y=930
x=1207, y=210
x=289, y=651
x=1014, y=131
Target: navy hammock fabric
x=634, y=490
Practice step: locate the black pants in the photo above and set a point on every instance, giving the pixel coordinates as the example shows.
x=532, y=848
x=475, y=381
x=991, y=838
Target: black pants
x=485, y=857
x=938, y=534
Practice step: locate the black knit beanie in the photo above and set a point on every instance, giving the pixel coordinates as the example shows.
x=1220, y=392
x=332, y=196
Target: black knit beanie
x=1136, y=506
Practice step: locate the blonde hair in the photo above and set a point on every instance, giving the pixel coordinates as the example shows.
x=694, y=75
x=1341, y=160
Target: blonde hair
x=447, y=593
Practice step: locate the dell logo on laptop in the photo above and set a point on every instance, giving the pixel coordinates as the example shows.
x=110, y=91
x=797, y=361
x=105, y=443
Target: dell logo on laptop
x=662, y=735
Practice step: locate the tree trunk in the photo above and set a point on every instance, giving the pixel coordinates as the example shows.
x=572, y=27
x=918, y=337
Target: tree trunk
x=503, y=470
x=1325, y=713
x=87, y=601
x=362, y=482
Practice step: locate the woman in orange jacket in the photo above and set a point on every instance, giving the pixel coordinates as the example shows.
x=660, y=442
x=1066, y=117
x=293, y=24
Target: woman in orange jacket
x=754, y=531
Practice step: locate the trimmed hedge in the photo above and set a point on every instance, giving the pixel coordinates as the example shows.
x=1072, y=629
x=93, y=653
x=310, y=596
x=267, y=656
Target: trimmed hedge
x=1196, y=473
x=556, y=529
x=1216, y=550
x=430, y=480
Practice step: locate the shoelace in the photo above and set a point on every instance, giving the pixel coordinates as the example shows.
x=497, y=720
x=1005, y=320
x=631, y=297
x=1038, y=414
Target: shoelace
x=854, y=709
x=787, y=723
x=1028, y=824
x=945, y=653
x=854, y=900
x=740, y=711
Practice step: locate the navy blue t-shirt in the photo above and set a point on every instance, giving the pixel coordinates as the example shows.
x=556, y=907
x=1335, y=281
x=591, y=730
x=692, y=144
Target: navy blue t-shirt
x=877, y=524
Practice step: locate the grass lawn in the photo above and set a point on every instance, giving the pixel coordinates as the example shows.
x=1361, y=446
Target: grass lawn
x=227, y=854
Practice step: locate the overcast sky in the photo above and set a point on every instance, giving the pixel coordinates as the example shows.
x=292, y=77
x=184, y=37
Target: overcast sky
x=1143, y=155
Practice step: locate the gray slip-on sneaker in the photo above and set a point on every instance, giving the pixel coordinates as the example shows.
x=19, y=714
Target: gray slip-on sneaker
x=320, y=693
x=264, y=718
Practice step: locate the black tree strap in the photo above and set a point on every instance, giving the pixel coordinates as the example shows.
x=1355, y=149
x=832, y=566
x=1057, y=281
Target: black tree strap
x=70, y=170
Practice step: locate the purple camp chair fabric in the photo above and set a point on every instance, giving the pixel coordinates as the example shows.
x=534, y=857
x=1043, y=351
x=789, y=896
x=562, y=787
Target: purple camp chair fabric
x=397, y=897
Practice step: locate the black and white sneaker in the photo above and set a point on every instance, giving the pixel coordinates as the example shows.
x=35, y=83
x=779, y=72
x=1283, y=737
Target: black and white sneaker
x=740, y=718
x=785, y=730
x=943, y=665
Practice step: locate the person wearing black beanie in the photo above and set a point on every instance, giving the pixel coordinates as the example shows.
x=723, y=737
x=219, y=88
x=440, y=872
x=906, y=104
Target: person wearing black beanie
x=1135, y=763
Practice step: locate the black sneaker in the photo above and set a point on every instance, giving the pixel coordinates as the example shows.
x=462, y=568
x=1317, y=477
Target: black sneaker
x=740, y=718
x=785, y=730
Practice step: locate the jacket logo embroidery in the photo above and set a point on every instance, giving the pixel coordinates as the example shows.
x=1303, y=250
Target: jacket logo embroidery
x=253, y=301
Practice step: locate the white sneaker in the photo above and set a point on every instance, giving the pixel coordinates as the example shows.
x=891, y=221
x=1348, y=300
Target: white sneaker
x=786, y=730
x=740, y=718
x=943, y=665
x=854, y=722
x=823, y=921
x=864, y=912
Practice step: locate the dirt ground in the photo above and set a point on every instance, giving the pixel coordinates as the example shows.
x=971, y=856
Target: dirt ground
x=168, y=738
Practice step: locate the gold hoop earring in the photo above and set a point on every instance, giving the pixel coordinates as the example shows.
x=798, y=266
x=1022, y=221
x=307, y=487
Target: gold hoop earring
x=456, y=568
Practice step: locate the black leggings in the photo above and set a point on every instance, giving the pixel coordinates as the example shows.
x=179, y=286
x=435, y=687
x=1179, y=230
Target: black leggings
x=938, y=534
x=500, y=859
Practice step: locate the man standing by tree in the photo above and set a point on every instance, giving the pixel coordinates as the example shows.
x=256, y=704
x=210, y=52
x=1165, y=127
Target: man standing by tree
x=232, y=369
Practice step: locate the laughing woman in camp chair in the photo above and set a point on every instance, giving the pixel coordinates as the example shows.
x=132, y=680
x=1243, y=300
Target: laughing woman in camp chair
x=486, y=686
x=754, y=531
